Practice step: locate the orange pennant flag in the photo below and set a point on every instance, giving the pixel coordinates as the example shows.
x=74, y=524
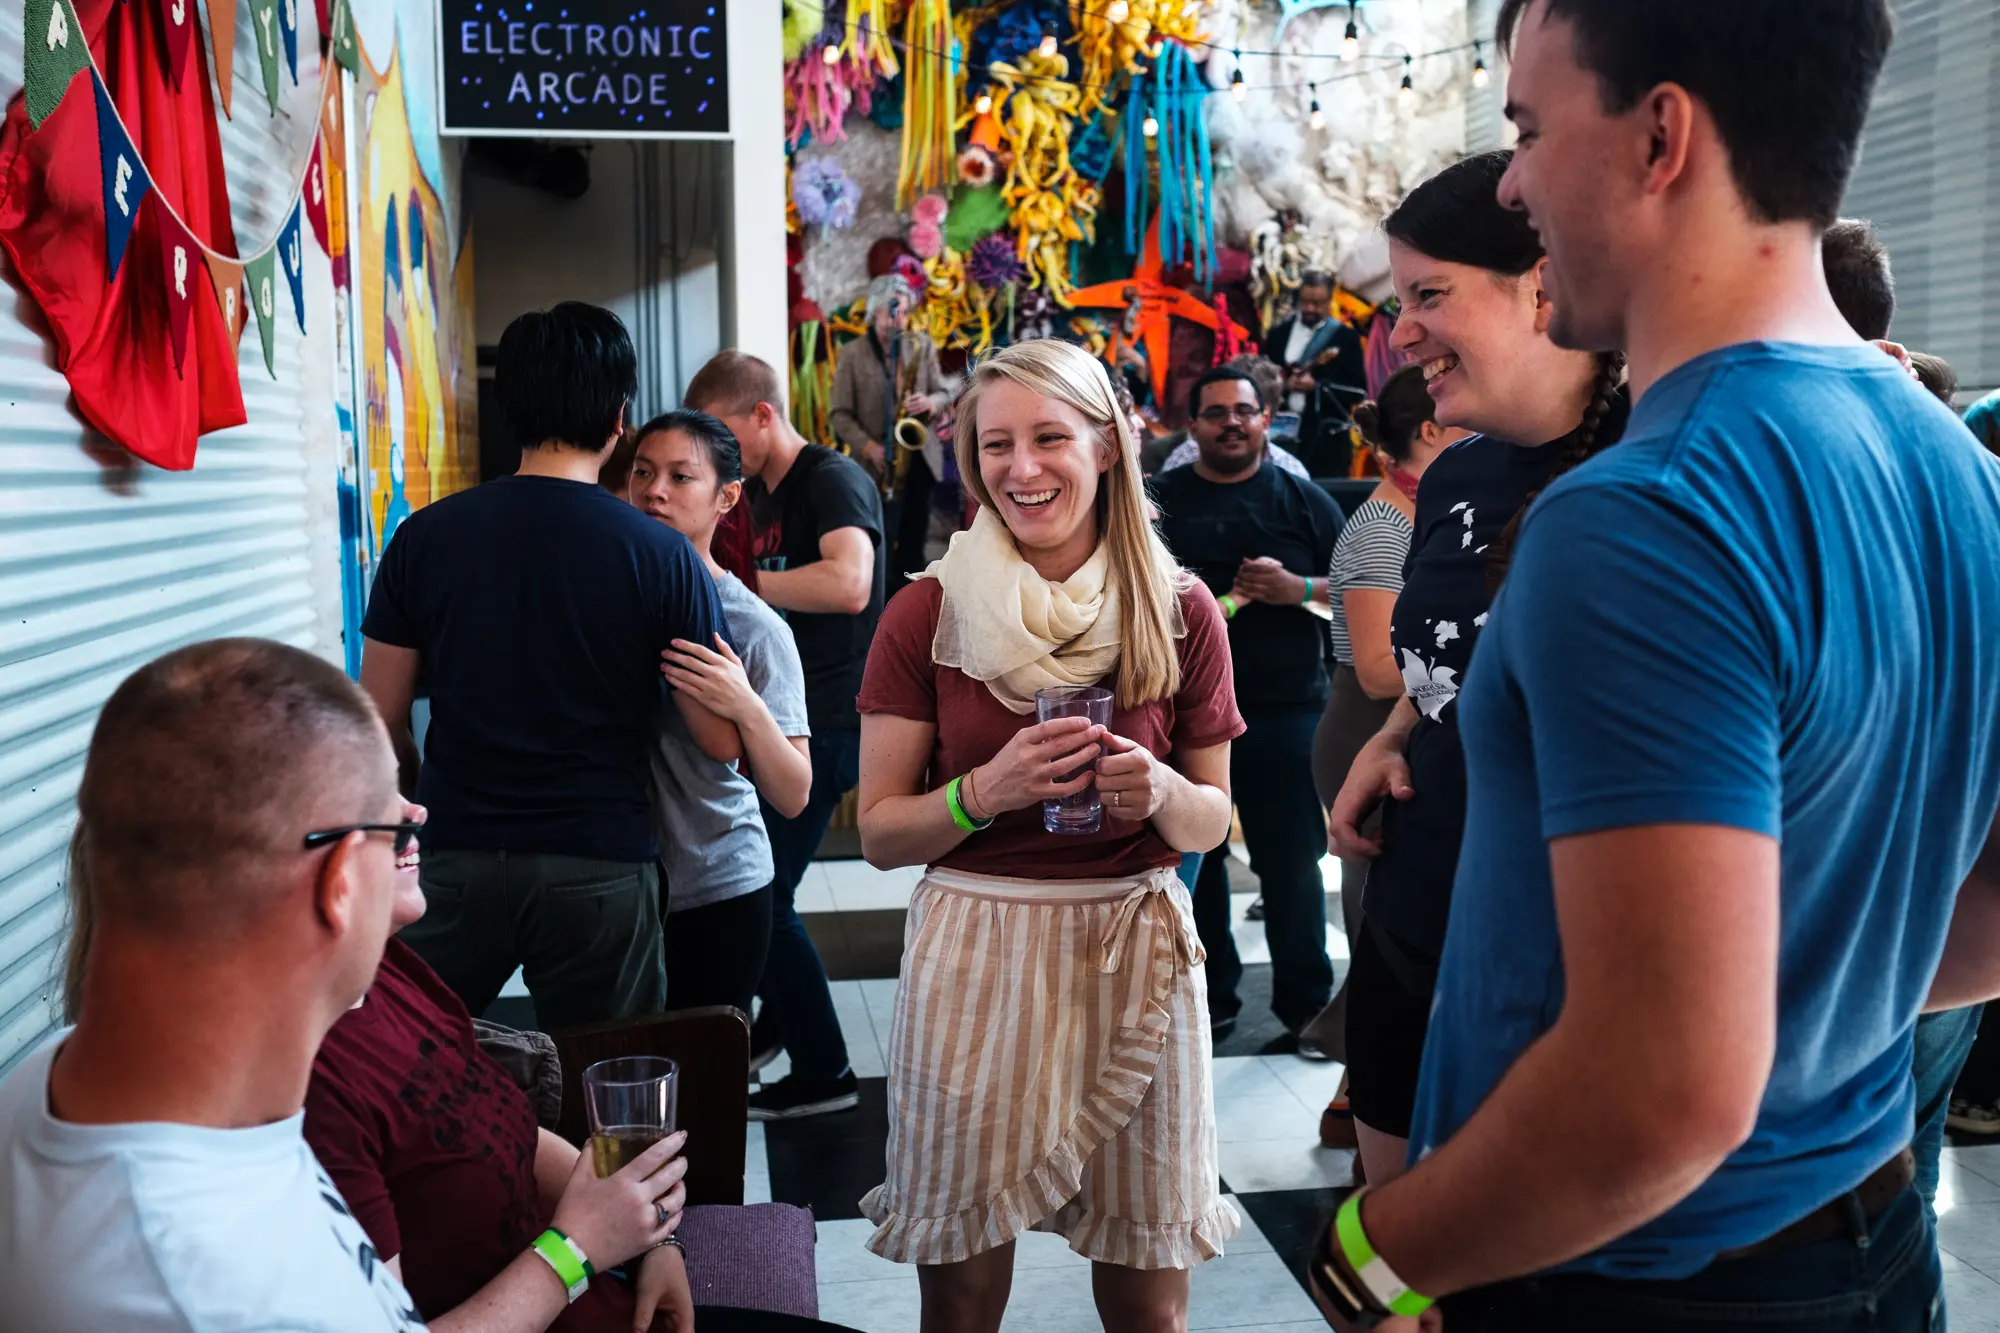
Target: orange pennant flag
x=222, y=33
x=227, y=275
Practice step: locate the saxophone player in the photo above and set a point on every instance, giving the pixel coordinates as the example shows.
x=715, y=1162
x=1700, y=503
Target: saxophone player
x=887, y=377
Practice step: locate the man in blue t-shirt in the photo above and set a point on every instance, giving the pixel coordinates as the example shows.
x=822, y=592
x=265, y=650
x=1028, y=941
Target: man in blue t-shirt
x=535, y=609
x=1732, y=739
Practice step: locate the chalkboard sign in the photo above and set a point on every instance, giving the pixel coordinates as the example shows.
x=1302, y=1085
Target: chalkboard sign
x=584, y=68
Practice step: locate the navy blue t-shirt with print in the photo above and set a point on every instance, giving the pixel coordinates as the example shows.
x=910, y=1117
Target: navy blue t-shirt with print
x=540, y=608
x=1775, y=607
x=1469, y=495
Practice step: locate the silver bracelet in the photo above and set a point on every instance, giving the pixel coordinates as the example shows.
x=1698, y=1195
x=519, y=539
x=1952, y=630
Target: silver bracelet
x=675, y=1241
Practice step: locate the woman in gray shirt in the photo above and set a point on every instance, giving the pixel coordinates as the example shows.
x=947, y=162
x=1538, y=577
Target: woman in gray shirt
x=715, y=856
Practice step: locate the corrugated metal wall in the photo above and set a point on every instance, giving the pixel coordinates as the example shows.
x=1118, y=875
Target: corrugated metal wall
x=106, y=563
x=1930, y=179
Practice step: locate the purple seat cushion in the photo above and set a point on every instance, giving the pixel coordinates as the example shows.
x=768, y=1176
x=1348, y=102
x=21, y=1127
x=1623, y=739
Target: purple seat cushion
x=754, y=1257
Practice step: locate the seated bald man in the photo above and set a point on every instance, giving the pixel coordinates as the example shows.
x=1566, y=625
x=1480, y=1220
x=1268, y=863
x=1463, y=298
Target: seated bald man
x=243, y=833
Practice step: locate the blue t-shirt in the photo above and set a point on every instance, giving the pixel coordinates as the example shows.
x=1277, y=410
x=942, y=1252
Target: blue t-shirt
x=540, y=608
x=1775, y=606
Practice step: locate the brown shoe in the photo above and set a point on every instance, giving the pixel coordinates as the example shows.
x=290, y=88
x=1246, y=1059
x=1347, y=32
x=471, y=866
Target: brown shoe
x=1336, y=1126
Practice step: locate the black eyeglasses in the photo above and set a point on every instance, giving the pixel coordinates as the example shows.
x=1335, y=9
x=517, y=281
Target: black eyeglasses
x=405, y=832
x=1215, y=416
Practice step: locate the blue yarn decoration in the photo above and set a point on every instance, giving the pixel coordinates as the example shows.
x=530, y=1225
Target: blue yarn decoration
x=886, y=110
x=1010, y=36
x=1175, y=95
x=1091, y=153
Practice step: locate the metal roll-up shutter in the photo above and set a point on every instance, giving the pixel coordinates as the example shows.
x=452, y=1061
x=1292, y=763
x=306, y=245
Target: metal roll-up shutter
x=1929, y=178
x=106, y=563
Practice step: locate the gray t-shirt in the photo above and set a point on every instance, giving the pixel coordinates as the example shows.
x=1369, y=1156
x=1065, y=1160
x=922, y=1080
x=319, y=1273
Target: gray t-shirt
x=711, y=833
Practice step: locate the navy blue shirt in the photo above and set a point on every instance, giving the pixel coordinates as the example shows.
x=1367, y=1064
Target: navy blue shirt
x=540, y=608
x=1775, y=606
x=1213, y=527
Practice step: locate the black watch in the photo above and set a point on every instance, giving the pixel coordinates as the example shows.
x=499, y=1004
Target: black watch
x=1336, y=1287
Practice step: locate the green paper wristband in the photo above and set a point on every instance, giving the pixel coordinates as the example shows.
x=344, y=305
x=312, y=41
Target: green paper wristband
x=1309, y=593
x=1376, y=1277
x=958, y=814
x=561, y=1253
x=1228, y=605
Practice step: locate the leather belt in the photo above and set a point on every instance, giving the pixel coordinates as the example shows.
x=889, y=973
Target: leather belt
x=1882, y=1188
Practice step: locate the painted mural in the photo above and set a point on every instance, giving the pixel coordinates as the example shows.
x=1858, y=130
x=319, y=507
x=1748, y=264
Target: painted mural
x=414, y=291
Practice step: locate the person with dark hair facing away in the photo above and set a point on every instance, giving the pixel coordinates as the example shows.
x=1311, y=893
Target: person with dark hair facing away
x=1733, y=758
x=1858, y=277
x=241, y=825
x=537, y=608
x=1325, y=373
x=688, y=472
x=1260, y=539
x=816, y=524
x=1363, y=583
x=1476, y=309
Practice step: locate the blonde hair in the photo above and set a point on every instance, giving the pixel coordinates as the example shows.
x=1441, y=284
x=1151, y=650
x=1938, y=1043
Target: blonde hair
x=1147, y=579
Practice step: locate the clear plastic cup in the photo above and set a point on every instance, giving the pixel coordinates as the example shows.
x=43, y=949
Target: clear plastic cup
x=1084, y=811
x=631, y=1104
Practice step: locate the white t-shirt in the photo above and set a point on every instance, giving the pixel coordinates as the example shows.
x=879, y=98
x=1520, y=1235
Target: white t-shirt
x=146, y=1228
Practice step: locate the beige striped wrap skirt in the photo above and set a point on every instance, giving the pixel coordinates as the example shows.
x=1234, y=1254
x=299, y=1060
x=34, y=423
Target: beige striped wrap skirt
x=1049, y=1069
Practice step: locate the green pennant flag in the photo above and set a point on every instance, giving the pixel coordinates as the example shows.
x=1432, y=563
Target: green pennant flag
x=264, y=23
x=346, y=53
x=55, y=52
x=262, y=275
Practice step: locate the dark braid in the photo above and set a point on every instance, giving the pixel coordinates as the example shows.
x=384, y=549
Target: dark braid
x=1588, y=440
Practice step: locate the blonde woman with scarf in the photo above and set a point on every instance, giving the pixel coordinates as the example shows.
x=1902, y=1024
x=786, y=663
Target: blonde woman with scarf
x=1049, y=1057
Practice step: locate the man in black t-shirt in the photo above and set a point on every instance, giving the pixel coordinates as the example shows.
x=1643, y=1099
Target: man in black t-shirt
x=536, y=608
x=816, y=521
x=1262, y=540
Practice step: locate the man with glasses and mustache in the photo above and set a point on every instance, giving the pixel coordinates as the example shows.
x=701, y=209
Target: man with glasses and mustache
x=1262, y=540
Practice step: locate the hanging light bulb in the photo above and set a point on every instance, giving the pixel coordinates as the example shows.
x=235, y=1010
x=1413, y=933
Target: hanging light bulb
x=1480, y=78
x=1118, y=12
x=1048, y=47
x=1406, y=96
x=984, y=104
x=1236, y=88
x=1350, y=45
x=1151, y=127
x=831, y=53
x=1318, y=116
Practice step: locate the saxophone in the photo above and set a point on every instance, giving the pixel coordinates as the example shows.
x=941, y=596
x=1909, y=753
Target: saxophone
x=910, y=434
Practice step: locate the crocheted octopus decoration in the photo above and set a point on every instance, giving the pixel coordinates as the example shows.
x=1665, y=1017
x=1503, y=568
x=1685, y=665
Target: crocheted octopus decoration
x=1053, y=205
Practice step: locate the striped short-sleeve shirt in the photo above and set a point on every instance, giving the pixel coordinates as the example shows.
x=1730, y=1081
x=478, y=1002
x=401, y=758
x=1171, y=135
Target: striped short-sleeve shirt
x=1371, y=552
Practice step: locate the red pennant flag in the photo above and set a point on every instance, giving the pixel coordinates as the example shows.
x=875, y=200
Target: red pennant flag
x=227, y=275
x=180, y=264
x=178, y=20
x=314, y=194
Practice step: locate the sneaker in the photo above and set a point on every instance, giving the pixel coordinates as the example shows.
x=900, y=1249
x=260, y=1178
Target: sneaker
x=794, y=1098
x=1972, y=1118
x=1255, y=911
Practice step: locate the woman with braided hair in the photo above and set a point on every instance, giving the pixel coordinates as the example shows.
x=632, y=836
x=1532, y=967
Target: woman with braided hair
x=1476, y=310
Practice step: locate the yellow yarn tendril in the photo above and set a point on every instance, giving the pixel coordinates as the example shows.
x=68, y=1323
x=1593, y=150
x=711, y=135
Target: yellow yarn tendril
x=1052, y=206
x=930, y=103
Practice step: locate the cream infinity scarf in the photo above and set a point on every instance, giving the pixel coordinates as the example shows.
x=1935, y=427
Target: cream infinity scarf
x=1008, y=627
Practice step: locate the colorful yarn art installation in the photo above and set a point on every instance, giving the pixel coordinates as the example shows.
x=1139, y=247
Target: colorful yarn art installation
x=1159, y=304
x=994, y=265
x=1172, y=93
x=827, y=197
x=1107, y=49
x=1053, y=206
x=930, y=102
x=927, y=226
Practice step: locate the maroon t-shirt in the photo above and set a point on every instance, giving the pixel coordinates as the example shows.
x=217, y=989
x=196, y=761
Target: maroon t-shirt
x=972, y=726
x=433, y=1147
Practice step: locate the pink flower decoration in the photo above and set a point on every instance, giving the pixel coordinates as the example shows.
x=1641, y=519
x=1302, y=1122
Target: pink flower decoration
x=927, y=239
x=930, y=208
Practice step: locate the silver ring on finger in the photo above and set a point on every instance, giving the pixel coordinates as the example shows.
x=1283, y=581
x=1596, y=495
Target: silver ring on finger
x=661, y=1210
x=1118, y=798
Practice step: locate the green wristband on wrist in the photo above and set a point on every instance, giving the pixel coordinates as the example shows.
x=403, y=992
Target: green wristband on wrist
x=1309, y=593
x=1228, y=605
x=572, y=1265
x=1379, y=1280
x=957, y=807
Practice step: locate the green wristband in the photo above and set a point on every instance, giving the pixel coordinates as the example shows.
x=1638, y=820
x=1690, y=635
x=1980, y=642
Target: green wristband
x=1309, y=593
x=1376, y=1277
x=1228, y=605
x=572, y=1266
x=958, y=814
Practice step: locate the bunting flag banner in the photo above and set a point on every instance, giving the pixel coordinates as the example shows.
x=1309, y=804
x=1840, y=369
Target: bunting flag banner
x=222, y=37
x=313, y=193
x=333, y=169
x=346, y=53
x=227, y=276
x=54, y=52
x=264, y=303
x=288, y=28
x=177, y=16
x=325, y=28
x=125, y=179
x=291, y=255
x=264, y=23
x=179, y=258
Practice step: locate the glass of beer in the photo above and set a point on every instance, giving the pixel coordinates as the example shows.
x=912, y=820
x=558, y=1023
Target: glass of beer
x=631, y=1103
x=1080, y=812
